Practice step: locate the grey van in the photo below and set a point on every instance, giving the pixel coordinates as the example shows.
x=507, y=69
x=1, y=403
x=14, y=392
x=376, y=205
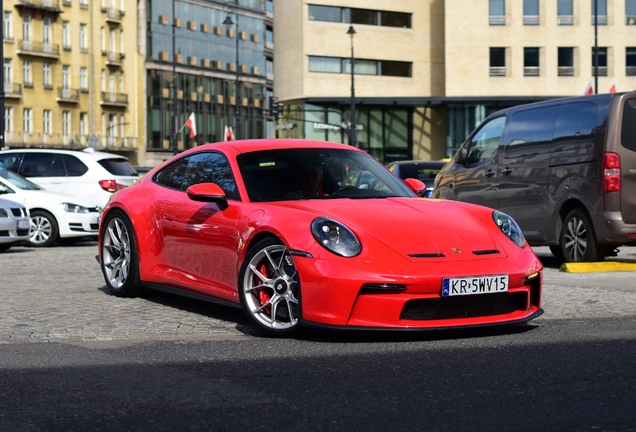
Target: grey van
x=564, y=169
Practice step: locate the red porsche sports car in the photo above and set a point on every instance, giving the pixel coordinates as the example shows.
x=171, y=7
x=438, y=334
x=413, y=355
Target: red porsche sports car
x=313, y=233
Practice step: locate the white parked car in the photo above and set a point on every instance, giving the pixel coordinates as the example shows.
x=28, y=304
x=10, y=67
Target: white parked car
x=54, y=216
x=15, y=223
x=88, y=174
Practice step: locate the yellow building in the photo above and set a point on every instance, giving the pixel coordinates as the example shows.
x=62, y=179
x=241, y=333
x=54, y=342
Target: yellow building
x=70, y=75
x=457, y=61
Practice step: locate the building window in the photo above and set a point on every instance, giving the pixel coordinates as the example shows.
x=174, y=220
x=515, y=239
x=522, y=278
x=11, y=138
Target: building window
x=7, y=25
x=26, y=73
x=66, y=35
x=121, y=41
x=47, y=122
x=8, y=73
x=269, y=68
x=82, y=38
x=362, y=67
x=46, y=31
x=26, y=27
x=8, y=119
x=325, y=64
x=269, y=38
x=630, y=12
x=602, y=62
x=83, y=3
x=565, y=15
x=531, y=62
x=630, y=61
x=122, y=126
x=602, y=11
x=66, y=123
x=66, y=77
x=46, y=75
x=83, y=125
x=83, y=79
x=121, y=82
x=497, y=62
x=360, y=16
x=103, y=81
x=565, y=61
x=27, y=120
x=530, y=12
x=102, y=39
x=497, y=12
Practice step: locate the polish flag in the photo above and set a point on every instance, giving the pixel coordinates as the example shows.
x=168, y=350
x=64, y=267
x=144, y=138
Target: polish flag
x=191, y=123
x=229, y=134
x=589, y=89
x=613, y=87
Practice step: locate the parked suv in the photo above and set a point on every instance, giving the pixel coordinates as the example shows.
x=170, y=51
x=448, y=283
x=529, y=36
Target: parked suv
x=87, y=174
x=564, y=169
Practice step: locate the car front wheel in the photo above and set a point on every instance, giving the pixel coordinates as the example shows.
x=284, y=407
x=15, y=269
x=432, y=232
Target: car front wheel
x=120, y=263
x=44, y=229
x=270, y=289
x=578, y=243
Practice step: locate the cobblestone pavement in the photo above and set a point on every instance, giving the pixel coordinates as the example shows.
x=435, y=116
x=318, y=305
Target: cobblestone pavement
x=58, y=295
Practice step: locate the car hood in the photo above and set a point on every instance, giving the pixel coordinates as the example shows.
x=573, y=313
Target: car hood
x=44, y=198
x=417, y=229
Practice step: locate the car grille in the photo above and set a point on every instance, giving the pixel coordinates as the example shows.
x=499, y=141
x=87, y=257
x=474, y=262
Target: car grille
x=18, y=212
x=4, y=233
x=22, y=232
x=464, y=306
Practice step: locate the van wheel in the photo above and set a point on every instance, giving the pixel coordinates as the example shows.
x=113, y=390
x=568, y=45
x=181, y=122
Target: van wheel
x=577, y=242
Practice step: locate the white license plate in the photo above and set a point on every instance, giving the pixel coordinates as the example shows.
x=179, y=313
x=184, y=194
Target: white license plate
x=24, y=224
x=474, y=285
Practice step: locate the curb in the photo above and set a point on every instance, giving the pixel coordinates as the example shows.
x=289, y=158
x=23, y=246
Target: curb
x=596, y=267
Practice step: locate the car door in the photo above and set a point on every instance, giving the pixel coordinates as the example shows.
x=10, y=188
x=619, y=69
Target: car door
x=523, y=191
x=44, y=169
x=476, y=179
x=200, y=239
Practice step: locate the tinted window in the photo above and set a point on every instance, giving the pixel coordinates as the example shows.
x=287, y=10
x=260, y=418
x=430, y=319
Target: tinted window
x=628, y=129
x=486, y=141
x=532, y=126
x=42, y=165
x=362, y=16
x=10, y=161
x=576, y=121
x=119, y=167
x=395, y=19
x=74, y=166
x=324, y=13
x=210, y=168
x=172, y=175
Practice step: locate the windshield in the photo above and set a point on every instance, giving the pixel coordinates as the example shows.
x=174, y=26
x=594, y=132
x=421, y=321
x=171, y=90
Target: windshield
x=18, y=181
x=293, y=174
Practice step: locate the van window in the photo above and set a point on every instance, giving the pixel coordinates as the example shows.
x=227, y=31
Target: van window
x=485, y=142
x=628, y=129
x=574, y=134
x=532, y=126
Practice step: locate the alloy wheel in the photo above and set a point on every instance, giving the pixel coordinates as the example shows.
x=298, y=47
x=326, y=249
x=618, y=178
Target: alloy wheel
x=41, y=230
x=116, y=252
x=575, y=238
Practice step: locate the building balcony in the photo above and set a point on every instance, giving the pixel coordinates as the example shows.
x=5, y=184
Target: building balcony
x=566, y=71
x=630, y=71
x=114, y=16
x=38, y=49
x=39, y=6
x=602, y=71
x=118, y=143
x=44, y=140
x=114, y=99
x=497, y=20
x=114, y=58
x=565, y=20
x=12, y=91
x=497, y=71
x=602, y=19
x=69, y=95
x=531, y=20
x=531, y=71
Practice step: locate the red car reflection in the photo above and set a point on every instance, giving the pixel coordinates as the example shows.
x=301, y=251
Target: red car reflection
x=315, y=233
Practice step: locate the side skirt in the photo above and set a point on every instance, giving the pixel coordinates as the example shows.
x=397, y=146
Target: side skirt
x=185, y=293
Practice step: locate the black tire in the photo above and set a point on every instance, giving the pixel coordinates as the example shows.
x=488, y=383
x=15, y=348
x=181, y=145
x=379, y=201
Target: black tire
x=44, y=229
x=578, y=242
x=557, y=252
x=5, y=247
x=120, y=261
x=269, y=289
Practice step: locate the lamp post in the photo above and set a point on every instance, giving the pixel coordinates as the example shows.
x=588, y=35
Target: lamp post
x=237, y=110
x=175, y=130
x=595, y=46
x=352, y=127
x=2, y=77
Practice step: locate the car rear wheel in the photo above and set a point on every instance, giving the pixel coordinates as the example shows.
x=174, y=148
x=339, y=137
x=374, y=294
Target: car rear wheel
x=120, y=263
x=578, y=243
x=269, y=288
x=44, y=229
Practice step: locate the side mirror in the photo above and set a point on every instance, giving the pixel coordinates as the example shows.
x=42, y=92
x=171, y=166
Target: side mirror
x=208, y=192
x=462, y=156
x=416, y=186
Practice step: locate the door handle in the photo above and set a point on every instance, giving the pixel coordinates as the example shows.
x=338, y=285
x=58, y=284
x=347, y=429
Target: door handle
x=506, y=170
x=490, y=173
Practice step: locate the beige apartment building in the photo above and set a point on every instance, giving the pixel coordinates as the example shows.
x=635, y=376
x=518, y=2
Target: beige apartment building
x=69, y=74
x=457, y=62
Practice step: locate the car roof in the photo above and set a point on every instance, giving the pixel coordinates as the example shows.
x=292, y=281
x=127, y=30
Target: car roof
x=246, y=146
x=87, y=152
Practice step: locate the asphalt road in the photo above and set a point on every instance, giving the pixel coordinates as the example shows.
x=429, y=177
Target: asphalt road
x=73, y=357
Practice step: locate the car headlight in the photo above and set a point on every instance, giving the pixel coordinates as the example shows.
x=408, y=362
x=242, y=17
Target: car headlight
x=4, y=213
x=74, y=208
x=335, y=237
x=509, y=227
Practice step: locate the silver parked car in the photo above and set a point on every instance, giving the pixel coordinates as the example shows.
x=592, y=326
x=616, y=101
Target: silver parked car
x=15, y=224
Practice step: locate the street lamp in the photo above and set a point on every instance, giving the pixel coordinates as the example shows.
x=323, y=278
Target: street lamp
x=352, y=127
x=175, y=120
x=237, y=112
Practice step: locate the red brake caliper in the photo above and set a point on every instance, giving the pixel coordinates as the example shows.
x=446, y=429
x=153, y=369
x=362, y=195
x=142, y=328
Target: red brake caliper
x=263, y=295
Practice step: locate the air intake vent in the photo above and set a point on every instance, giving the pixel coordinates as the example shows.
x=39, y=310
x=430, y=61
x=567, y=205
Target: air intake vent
x=486, y=252
x=427, y=255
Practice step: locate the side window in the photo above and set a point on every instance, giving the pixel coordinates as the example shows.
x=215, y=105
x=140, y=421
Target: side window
x=210, y=168
x=74, y=166
x=10, y=161
x=172, y=175
x=628, y=128
x=42, y=165
x=532, y=126
x=486, y=141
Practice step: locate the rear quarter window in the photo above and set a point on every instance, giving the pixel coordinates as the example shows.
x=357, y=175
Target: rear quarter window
x=74, y=166
x=118, y=166
x=628, y=128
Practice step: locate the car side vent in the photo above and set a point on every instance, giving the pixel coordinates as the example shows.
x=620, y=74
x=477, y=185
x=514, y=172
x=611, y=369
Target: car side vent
x=427, y=255
x=486, y=252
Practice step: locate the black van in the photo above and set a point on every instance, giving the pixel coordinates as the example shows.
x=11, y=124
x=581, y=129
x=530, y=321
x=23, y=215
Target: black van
x=564, y=169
